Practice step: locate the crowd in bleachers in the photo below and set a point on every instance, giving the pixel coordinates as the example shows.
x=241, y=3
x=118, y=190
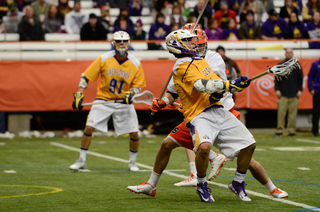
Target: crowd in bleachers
x=221, y=20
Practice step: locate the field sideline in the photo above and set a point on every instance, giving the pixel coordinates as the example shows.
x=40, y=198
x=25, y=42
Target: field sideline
x=35, y=176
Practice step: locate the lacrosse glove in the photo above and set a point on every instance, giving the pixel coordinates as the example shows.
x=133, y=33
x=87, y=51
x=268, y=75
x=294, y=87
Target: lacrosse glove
x=216, y=96
x=127, y=98
x=237, y=84
x=77, y=102
x=158, y=104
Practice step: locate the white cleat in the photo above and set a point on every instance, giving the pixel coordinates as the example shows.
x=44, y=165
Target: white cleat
x=189, y=182
x=79, y=164
x=144, y=188
x=133, y=167
x=216, y=165
x=278, y=193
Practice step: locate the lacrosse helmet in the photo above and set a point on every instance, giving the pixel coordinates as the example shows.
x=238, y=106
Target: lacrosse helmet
x=202, y=38
x=182, y=42
x=121, y=37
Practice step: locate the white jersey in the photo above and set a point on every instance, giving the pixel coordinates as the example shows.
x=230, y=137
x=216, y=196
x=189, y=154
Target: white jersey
x=218, y=66
x=74, y=21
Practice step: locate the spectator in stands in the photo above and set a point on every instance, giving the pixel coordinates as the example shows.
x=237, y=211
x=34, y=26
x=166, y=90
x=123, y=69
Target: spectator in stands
x=105, y=19
x=192, y=19
x=93, y=30
x=309, y=8
x=298, y=4
x=174, y=27
x=234, y=5
x=247, y=6
x=207, y=14
x=139, y=33
x=232, y=69
x=161, y=6
x=135, y=8
x=268, y=4
x=100, y=3
x=296, y=28
x=123, y=25
x=75, y=19
x=313, y=28
x=30, y=28
x=63, y=8
x=213, y=31
x=13, y=19
x=314, y=88
x=224, y=14
x=288, y=90
x=230, y=32
x=158, y=31
x=260, y=15
x=119, y=3
x=250, y=29
x=287, y=10
x=41, y=9
x=124, y=13
x=176, y=17
x=184, y=7
x=148, y=4
x=4, y=6
x=53, y=20
x=215, y=5
x=274, y=28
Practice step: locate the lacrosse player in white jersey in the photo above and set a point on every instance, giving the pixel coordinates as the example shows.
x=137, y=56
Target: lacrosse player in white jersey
x=122, y=77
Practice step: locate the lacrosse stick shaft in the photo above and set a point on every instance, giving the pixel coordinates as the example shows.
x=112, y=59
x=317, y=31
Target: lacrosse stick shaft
x=259, y=75
x=119, y=101
x=199, y=17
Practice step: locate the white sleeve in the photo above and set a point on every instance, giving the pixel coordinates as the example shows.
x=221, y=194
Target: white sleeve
x=217, y=64
x=171, y=86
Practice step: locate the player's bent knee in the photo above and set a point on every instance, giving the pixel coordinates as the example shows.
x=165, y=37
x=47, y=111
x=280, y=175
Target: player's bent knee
x=134, y=136
x=168, y=144
x=89, y=130
x=204, y=148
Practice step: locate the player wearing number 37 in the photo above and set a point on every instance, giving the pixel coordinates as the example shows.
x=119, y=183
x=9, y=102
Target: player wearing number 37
x=121, y=77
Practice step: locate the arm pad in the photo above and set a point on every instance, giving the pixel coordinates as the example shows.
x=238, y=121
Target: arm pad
x=208, y=86
x=83, y=81
x=135, y=90
x=174, y=95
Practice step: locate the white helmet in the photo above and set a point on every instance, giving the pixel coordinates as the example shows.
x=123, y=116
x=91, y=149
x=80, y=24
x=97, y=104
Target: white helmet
x=182, y=41
x=121, y=36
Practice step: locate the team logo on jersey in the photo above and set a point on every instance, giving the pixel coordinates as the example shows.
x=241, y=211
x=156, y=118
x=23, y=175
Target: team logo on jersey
x=206, y=137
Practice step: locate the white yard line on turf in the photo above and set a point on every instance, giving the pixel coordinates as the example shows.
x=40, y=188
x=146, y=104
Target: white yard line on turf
x=184, y=177
x=308, y=141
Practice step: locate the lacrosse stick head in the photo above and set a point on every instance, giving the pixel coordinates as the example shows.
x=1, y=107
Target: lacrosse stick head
x=145, y=97
x=284, y=69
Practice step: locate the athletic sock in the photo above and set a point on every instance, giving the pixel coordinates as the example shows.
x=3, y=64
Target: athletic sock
x=154, y=178
x=239, y=177
x=83, y=153
x=133, y=156
x=270, y=186
x=193, y=168
x=202, y=179
x=212, y=155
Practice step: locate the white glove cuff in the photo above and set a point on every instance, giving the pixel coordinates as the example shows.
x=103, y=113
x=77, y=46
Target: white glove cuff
x=166, y=100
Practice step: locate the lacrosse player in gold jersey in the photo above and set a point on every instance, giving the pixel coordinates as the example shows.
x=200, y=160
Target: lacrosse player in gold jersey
x=122, y=76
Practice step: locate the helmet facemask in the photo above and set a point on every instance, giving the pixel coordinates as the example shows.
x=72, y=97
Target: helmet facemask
x=121, y=46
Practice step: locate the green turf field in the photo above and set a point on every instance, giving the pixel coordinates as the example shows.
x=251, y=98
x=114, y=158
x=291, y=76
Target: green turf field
x=43, y=182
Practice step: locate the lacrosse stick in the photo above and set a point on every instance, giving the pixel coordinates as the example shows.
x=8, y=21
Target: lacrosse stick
x=145, y=97
x=282, y=70
x=192, y=31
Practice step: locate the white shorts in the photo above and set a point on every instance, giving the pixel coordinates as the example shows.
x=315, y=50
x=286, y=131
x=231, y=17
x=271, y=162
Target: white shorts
x=125, y=119
x=222, y=129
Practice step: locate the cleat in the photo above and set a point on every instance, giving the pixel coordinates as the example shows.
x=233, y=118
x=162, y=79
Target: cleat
x=79, y=164
x=216, y=165
x=278, y=193
x=204, y=192
x=189, y=182
x=133, y=167
x=238, y=189
x=144, y=188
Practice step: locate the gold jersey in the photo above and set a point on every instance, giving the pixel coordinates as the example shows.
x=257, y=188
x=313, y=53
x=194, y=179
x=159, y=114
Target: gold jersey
x=193, y=101
x=116, y=77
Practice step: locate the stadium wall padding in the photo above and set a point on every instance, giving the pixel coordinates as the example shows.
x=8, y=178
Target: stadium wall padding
x=49, y=85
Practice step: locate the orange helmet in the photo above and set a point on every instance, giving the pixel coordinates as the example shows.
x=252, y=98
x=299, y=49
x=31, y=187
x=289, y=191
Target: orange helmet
x=202, y=37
